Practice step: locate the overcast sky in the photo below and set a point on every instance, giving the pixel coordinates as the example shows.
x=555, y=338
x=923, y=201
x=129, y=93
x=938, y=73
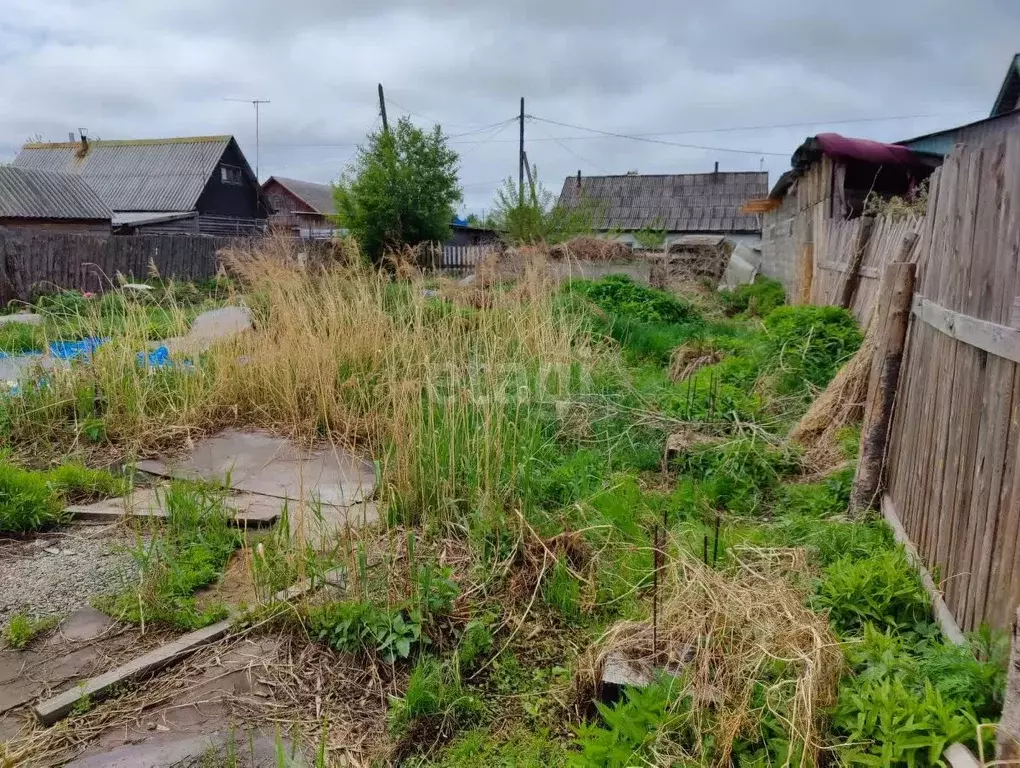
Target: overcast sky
x=715, y=75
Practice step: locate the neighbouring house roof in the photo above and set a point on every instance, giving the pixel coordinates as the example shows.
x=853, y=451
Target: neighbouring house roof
x=138, y=218
x=1009, y=93
x=684, y=202
x=32, y=194
x=136, y=174
x=318, y=197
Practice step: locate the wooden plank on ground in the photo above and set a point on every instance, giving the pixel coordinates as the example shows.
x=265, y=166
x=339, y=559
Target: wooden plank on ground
x=940, y=611
x=96, y=688
x=56, y=708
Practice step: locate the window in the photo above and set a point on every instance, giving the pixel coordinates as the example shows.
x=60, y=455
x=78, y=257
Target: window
x=231, y=174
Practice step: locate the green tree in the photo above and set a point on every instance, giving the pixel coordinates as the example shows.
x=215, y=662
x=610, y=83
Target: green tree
x=401, y=189
x=536, y=217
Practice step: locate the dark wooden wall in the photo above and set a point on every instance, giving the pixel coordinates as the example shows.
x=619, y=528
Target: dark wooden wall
x=243, y=201
x=34, y=262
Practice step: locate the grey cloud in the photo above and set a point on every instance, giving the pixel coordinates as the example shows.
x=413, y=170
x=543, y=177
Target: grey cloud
x=161, y=68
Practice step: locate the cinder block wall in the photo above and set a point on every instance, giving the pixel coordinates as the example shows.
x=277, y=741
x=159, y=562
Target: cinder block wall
x=779, y=246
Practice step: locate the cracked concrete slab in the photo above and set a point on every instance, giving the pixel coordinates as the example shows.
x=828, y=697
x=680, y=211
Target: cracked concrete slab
x=260, y=463
x=251, y=510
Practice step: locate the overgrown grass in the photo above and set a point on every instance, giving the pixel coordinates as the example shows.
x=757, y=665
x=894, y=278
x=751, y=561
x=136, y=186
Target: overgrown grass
x=189, y=551
x=519, y=433
x=33, y=500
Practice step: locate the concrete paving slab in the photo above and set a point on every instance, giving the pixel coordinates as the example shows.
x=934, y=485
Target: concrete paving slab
x=273, y=466
x=209, y=327
x=192, y=750
x=28, y=318
x=84, y=624
x=252, y=511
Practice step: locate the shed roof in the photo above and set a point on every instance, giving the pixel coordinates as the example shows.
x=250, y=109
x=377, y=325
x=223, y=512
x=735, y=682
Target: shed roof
x=136, y=174
x=32, y=194
x=684, y=202
x=318, y=197
x=1008, y=98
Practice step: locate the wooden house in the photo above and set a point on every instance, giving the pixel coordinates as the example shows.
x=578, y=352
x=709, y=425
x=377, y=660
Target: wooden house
x=198, y=184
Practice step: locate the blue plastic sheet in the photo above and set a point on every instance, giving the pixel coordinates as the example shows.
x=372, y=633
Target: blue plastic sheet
x=157, y=358
x=75, y=350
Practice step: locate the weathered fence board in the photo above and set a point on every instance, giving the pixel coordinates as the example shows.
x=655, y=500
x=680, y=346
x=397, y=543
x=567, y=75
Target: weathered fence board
x=856, y=253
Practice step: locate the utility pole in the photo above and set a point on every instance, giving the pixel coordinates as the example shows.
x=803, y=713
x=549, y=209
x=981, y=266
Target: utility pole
x=531, y=181
x=255, y=103
x=520, y=161
x=382, y=110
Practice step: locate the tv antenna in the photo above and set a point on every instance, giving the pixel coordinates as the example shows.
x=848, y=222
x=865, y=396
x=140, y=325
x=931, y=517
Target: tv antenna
x=255, y=103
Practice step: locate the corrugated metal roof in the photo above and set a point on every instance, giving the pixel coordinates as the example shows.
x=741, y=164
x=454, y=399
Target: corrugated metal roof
x=685, y=202
x=135, y=218
x=135, y=175
x=315, y=195
x=33, y=194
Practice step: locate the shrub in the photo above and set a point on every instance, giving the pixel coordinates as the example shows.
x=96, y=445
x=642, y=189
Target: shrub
x=883, y=590
x=27, y=502
x=755, y=299
x=620, y=296
x=808, y=344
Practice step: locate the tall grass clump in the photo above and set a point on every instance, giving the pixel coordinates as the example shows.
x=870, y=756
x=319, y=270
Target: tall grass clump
x=452, y=399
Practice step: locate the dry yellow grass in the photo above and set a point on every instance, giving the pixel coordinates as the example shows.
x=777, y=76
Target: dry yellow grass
x=744, y=647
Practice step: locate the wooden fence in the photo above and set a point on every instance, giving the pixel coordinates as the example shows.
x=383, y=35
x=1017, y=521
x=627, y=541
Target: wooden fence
x=34, y=262
x=848, y=269
x=459, y=259
x=953, y=466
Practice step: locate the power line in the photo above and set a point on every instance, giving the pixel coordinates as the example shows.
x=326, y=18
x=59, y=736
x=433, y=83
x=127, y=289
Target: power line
x=648, y=140
x=583, y=159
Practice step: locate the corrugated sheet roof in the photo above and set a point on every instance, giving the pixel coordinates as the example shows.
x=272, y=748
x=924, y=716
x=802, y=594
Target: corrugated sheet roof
x=685, y=202
x=135, y=175
x=317, y=196
x=32, y=194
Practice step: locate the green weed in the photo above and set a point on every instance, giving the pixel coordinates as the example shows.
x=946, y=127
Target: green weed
x=519, y=748
x=360, y=627
x=741, y=475
x=645, y=719
x=808, y=344
x=77, y=484
x=890, y=725
x=435, y=699
x=19, y=338
x=620, y=296
x=22, y=629
x=190, y=551
x=475, y=644
x=562, y=591
x=883, y=590
x=755, y=299
x=27, y=501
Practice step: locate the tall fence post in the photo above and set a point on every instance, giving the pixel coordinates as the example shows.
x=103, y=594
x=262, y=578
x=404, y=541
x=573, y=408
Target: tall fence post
x=892, y=313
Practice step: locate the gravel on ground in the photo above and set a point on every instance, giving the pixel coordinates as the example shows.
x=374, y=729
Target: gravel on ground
x=58, y=572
